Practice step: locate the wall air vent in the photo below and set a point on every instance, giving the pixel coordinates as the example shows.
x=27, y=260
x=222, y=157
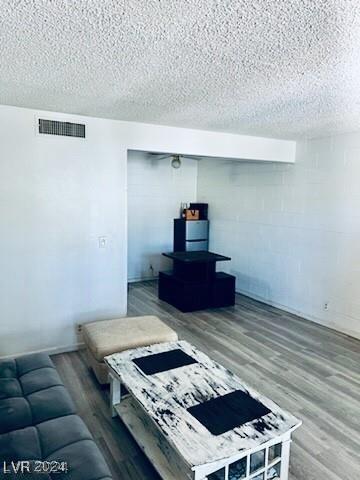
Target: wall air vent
x=66, y=129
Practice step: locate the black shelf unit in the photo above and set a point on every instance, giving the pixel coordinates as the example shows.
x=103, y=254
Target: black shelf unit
x=194, y=284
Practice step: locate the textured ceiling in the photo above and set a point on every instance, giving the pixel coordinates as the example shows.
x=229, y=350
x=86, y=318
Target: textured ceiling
x=279, y=68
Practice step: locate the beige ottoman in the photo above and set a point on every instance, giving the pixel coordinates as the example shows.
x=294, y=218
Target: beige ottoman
x=110, y=336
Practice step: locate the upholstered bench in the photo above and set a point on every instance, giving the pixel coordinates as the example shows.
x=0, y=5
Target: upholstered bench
x=110, y=336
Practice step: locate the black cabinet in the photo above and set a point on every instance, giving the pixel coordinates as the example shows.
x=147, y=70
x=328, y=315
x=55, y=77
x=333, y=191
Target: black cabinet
x=194, y=284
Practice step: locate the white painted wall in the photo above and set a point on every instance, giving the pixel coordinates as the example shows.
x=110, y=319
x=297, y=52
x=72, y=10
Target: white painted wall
x=154, y=138
x=155, y=192
x=293, y=230
x=57, y=196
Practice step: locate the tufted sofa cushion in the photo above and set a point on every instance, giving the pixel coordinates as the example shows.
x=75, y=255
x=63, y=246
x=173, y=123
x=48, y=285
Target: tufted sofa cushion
x=38, y=421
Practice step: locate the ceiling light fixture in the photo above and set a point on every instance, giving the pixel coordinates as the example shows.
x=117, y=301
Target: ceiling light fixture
x=176, y=161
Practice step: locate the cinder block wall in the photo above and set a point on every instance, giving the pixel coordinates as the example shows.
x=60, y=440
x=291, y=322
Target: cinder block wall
x=155, y=192
x=293, y=231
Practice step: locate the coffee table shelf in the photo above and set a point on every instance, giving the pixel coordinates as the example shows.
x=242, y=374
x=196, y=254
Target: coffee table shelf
x=157, y=411
x=147, y=438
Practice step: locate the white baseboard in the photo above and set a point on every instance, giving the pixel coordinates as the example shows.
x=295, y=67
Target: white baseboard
x=311, y=318
x=142, y=279
x=48, y=351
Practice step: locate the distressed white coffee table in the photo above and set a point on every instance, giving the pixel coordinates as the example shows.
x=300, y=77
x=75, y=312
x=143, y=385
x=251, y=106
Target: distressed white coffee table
x=198, y=420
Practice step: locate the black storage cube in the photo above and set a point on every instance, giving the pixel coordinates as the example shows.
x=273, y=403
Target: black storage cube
x=223, y=290
x=184, y=295
x=166, y=287
x=194, y=272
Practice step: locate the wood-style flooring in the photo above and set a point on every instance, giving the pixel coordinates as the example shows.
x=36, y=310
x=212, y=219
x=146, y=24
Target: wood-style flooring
x=307, y=369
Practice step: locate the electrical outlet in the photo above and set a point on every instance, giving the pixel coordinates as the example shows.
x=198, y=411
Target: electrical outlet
x=79, y=328
x=102, y=242
x=326, y=306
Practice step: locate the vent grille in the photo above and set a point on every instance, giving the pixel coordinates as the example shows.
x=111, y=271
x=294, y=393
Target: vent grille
x=66, y=129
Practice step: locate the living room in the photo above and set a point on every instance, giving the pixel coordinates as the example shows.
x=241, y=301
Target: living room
x=115, y=117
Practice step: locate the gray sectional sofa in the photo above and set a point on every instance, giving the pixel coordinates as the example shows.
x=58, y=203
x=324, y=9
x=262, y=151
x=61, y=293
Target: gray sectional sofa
x=38, y=422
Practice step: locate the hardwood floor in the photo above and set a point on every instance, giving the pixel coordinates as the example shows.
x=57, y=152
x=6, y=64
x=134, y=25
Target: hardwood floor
x=308, y=369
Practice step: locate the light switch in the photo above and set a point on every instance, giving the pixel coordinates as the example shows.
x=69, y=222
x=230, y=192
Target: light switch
x=102, y=242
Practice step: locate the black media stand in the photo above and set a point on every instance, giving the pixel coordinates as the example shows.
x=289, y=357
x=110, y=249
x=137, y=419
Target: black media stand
x=194, y=284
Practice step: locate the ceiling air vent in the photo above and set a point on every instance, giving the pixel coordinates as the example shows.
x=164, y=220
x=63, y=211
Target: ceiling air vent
x=66, y=129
